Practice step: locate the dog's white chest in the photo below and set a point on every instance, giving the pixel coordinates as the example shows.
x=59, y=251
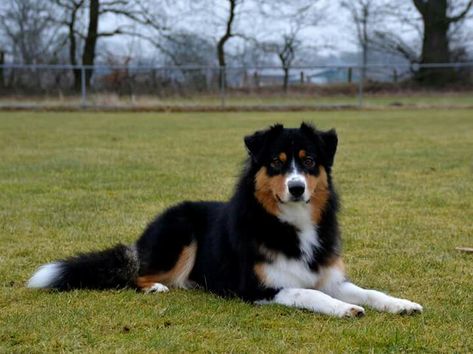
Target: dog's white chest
x=287, y=272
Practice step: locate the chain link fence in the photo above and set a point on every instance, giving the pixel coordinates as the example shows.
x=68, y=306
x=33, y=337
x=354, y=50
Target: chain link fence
x=202, y=88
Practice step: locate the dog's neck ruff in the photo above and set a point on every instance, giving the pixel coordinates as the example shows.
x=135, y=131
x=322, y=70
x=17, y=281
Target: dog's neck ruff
x=299, y=215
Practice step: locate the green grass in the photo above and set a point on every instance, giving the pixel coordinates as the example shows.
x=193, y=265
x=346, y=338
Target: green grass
x=72, y=182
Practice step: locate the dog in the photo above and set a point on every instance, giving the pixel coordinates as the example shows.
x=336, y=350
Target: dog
x=276, y=241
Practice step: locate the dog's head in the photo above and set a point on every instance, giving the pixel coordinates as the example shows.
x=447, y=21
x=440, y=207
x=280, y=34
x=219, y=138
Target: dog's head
x=292, y=165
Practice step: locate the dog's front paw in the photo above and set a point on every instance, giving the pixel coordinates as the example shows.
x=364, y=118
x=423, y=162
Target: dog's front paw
x=351, y=311
x=403, y=307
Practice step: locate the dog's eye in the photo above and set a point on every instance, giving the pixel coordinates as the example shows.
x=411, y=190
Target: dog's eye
x=276, y=163
x=309, y=162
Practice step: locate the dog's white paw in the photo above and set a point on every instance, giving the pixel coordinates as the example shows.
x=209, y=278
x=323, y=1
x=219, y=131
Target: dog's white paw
x=349, y=310
x=157, y=288
x=403, y=307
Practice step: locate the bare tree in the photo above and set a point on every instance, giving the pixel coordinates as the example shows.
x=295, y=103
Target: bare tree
x=162, y=22
x=432, y=26
x=293, y=18
x=70, y=18
x=91, y=12
x=158, y=24
x=229, y=23
x=188, y=48
x=364, y=14
x=287, y=55
x=27, y=25
x=285, y=49
x=438, y=17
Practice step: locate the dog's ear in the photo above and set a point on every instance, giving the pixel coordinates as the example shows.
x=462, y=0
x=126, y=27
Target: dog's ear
x=256, y=142
x=328, y=141
x=309, y=130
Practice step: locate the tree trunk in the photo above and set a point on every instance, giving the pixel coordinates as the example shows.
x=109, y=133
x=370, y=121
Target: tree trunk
x=364, y=44
x=435, y=45
x=285, y=84
x=364, y=61
x=221, y=43
x=88, y=57
x=72, y=52
x=2, y=62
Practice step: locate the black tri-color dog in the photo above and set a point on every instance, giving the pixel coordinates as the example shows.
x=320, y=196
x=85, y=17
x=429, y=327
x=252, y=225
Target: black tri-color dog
x=276, y=241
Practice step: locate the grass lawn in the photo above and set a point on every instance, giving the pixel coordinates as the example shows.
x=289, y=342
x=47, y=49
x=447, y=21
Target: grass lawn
x=72, y=182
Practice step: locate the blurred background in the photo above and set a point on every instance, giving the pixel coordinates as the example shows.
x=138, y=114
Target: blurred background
x=235, y=54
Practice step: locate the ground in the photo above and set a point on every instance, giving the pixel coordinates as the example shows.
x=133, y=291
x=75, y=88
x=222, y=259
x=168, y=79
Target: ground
x=73, y=182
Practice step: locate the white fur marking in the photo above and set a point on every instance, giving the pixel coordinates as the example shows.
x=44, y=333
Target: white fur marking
x=295, y=176
x=283, y=272
x=45, y=276
x=349, y=292
x=157, y=288
x=333, y=279
x=286, y=272
x=299, y=215
x=316, y=301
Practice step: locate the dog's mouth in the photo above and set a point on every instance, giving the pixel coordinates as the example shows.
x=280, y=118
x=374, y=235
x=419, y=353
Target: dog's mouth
x=293, y=200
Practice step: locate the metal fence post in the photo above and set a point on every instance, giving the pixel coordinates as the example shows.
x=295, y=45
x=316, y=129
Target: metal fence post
x=360, y=87
x=83, y=87
x=222, y=86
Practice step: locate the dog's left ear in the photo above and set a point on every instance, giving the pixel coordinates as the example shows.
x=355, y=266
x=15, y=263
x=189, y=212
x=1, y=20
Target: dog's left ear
x=328, y=140
x=255, y=143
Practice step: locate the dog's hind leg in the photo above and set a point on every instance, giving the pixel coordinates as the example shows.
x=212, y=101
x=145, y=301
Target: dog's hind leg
x=167, y=250
x=156, y=288
x=158, y=280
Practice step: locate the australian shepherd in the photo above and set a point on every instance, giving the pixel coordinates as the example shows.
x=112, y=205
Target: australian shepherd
x=276, y=241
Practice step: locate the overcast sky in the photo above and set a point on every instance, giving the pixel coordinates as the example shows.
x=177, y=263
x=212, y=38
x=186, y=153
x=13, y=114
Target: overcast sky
x=332, y=33
x=327, y=28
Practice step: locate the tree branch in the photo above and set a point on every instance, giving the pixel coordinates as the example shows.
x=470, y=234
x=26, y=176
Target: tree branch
x=462, y=14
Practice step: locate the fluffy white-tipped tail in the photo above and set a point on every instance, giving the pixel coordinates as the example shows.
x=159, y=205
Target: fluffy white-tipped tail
x=45, y=276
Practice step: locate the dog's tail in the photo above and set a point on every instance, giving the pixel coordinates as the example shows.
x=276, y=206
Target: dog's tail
x=112, y=268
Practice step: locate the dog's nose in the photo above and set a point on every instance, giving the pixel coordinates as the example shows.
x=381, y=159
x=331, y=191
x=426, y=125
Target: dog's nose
x=296, y=188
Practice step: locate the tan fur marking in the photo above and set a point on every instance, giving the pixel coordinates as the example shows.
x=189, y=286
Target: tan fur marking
x=336, y=262
x=267, y=188
x=260, y=273
x=177, y=276
x=283, y=157
x=302, y=154
x=318, y=185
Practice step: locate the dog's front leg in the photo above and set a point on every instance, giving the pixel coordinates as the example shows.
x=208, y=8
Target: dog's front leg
x=316, y=301
x=349, y=292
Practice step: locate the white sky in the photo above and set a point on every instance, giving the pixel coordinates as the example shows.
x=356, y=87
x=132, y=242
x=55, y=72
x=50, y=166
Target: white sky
x=333, y=33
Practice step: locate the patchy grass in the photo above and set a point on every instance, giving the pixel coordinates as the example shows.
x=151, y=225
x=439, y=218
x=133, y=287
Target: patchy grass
x=238, y=100
x=73, y=182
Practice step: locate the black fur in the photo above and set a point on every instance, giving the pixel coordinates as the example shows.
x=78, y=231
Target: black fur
x=228, y=235
x=116, y=267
